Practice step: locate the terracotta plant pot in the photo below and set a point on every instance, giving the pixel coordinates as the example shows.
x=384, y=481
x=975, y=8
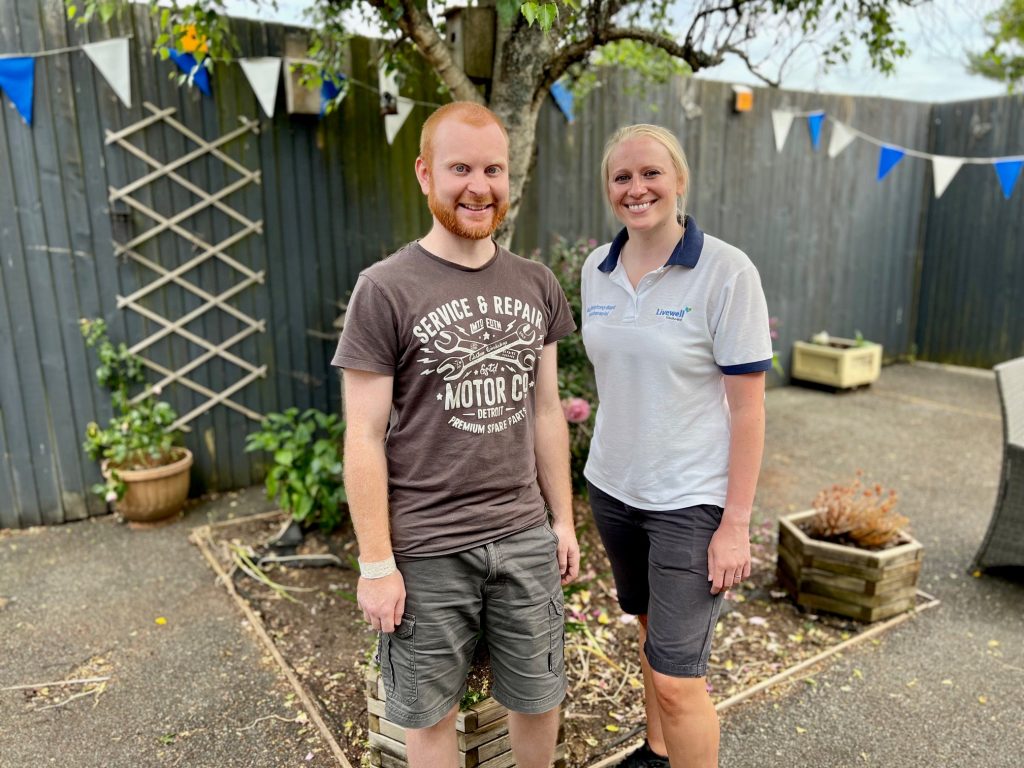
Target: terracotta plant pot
x=154, y=494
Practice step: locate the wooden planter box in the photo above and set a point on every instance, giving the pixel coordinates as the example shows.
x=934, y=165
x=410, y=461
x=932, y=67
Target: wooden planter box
x=862, y=584
x=841, y=364
x=482, y=732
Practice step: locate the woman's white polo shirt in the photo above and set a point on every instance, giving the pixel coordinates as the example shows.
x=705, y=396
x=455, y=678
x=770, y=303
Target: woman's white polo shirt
x=661, y=352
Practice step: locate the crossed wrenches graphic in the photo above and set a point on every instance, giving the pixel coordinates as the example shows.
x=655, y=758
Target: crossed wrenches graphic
x=476, y=352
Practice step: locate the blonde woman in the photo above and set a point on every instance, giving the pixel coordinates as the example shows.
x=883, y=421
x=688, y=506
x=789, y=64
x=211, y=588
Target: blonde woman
x=676, y=325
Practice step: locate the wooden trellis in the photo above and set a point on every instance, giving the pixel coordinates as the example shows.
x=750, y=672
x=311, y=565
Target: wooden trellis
x=164, y=278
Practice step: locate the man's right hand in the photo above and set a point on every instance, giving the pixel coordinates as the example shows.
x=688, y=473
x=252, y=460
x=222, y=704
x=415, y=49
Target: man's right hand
x=382, y=601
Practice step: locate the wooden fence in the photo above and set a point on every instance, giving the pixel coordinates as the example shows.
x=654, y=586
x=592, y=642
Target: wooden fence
x=835, y=248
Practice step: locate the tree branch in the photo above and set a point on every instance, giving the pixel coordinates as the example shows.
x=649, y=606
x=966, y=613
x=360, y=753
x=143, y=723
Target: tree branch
x=419, y=28
x=753, y=68
x=577, y=51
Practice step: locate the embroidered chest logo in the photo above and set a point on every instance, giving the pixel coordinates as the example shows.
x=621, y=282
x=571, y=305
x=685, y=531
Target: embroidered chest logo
x=673, y=314
x=600, y=310
x=482, y=358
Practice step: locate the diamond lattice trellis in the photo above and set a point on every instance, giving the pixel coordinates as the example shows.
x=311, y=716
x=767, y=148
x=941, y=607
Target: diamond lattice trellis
x=178, y=277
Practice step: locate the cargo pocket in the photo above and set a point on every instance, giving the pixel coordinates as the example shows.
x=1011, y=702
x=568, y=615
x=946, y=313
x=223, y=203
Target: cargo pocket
x=556, y=634
x=398, y=660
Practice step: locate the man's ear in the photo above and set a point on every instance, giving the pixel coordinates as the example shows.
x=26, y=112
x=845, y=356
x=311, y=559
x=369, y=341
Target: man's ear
x=423, y=175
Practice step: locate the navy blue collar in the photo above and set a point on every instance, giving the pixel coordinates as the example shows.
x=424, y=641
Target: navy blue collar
x=685, y=254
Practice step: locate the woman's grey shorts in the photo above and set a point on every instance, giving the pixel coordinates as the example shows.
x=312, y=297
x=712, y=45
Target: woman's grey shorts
x=660, y=563
x=508, y=590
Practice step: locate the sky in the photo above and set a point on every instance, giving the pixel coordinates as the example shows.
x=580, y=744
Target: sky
x=938, y=33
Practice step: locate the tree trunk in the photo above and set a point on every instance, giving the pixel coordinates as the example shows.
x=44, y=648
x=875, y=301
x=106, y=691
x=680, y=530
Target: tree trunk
x=516, y=97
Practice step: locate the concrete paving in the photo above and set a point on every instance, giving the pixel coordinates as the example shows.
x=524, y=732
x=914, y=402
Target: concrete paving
x=83, y=600
x=947, y=687
x=943, y=689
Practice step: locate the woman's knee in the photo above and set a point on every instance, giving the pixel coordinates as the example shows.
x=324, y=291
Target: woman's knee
x=680, y=696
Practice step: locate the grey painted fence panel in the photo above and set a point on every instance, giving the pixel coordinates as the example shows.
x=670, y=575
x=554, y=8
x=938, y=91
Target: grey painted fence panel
x=835, y=248
x=972, y=283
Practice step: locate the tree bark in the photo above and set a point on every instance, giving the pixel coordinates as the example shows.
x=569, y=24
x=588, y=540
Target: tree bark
x=517, y=93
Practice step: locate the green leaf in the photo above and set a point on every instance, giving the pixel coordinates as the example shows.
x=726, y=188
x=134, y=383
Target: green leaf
x=72, y=11
x=548, y=14
x=529, y=11
x=284, y=457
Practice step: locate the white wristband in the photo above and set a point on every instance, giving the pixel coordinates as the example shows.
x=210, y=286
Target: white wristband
x=379, y=569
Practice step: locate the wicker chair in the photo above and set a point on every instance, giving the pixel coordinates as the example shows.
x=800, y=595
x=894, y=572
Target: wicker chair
x=1004, y=541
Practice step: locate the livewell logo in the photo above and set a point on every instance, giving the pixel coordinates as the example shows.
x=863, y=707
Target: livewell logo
x=673, y=314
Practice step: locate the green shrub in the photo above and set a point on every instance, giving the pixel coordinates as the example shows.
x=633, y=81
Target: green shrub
x=306, y=475
x=576, y=385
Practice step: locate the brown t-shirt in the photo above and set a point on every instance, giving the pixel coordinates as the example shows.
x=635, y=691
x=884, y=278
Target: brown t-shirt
x=463, y=347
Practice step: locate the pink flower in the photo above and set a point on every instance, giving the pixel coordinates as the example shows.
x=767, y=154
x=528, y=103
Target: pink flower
x=576, y=410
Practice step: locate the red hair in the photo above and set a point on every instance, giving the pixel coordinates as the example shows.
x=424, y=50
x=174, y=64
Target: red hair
x=467, y=112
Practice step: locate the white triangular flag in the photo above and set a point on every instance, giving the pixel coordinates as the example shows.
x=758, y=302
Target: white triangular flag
x=392, y=123
x=111, y=58
x=781, y=121
x=840, y=139
x=263, y=74
x=943, y=171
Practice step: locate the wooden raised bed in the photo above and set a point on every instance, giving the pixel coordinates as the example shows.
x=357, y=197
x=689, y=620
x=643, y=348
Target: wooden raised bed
x=861, y=584
x=841, y=363
x=482, y=732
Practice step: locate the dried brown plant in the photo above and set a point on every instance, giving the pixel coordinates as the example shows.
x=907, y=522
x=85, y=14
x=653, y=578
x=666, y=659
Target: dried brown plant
x=856, y=513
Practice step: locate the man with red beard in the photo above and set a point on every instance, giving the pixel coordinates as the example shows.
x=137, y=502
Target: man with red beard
x=455, y=443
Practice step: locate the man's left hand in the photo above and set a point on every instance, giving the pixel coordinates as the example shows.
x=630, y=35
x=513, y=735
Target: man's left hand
x=568, y=551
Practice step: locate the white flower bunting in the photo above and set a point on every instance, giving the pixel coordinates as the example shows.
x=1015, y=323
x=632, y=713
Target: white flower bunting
x=944, y=167
x=263, y=75
x=943, y=171
x=841, y=138
x=781, y=122
x=112, y=60
x=393, y=121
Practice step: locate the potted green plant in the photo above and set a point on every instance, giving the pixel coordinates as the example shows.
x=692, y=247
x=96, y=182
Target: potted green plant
x=305, y=476
x=850, y=554
x=145, y=472
x=837, y=362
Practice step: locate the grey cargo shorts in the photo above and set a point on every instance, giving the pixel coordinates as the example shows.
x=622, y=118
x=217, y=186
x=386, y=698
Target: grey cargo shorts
x=510, y=592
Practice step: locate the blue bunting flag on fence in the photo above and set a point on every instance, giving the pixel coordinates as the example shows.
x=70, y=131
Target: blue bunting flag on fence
x=330, y=88
x=1008, y=172
x=17, y=80
x=887, y=159
x=814, y=121
x=564, y=101
x=196, y=72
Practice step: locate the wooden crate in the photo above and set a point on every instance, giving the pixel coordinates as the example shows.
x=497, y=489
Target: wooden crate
x=482, y=732
x=843, y=367
x=862, y=584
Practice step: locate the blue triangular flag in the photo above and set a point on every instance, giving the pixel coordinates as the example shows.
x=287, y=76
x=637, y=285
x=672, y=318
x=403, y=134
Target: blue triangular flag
x=814, y=121
x=196, y=72
x=1008, y=172
x=563, y=98
x=17, y=79
x=887, y=160
x=330, y=87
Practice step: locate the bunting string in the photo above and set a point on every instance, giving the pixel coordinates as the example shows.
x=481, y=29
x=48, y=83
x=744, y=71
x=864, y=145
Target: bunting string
x=112, y=59
x=944, y=167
